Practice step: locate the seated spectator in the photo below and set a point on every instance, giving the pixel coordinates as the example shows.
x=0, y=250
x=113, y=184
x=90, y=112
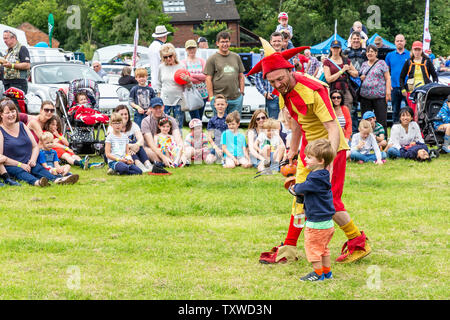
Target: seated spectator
x=196, y=144
x=269, y=143
x=126, y=78
x=234, y=146
x=117, y=150
x=149, y=129
x=418, y=152
x=135, y=139
x=216, y=126
x=405, y=133
x=172, y=152
x=61, y=145
x=50, y=161
x=255, y=127
x=378, y=129
x=444, y=124
x=364, y=143
x=285, y=132
x=83, y=111
x=37, y=124
x=20, y=149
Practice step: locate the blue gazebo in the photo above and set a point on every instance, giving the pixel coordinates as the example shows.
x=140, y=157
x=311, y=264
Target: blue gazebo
x=324, y=47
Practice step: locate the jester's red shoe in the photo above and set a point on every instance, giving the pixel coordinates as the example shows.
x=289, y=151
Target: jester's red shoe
x=280, y=254
x=354, y=249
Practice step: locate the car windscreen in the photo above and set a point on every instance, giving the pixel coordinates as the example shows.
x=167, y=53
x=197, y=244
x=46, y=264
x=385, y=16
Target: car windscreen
x=49, y=74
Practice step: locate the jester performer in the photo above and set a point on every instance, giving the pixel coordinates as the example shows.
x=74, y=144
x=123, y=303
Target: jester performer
x=312, y=117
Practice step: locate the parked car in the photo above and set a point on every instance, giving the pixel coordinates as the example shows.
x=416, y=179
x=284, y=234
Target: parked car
x=113, y=71
x=253, y=100
x=47, y=78
x=444, y=77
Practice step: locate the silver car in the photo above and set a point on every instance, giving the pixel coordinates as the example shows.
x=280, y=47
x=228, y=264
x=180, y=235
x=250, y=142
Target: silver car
x=47, y=78
x=253, y=100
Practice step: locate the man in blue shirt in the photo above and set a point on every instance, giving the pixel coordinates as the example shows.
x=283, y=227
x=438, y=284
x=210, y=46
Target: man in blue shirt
x=395, y=61
x=263, y=86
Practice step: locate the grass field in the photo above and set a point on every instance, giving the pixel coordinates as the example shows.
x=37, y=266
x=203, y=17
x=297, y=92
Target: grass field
x=198, y=233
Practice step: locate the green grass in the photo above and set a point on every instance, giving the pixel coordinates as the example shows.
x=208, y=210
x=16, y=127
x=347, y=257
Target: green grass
x=198, y=234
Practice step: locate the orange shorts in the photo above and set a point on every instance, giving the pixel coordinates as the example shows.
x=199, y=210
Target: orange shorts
x=316, y=243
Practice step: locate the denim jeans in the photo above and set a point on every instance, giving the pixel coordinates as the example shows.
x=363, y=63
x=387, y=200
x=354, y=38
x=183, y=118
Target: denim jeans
x=141, y=155
x=138, y=118
x=198, y=114
x=123, y=168
x=233, y=105
x=357, y=156
x=273, y=107
x=36, y=173
x=393, y=153
x=397, y=98
x=177, y=114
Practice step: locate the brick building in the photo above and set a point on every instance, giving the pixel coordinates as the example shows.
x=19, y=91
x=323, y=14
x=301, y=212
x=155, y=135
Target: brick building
x=34, y=35
x=187, y=16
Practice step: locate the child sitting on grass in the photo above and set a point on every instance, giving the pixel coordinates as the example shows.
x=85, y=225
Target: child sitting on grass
x=117, y=151
x=269, y=143
x=363, y=143
x=49, y=160
x=166, y=143
x=234, y=146
x=319, y=208
x=417, y=151
x=196, y=144
x=216, y=126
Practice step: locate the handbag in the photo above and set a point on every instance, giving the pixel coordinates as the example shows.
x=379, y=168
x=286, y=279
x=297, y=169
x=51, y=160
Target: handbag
x=192, y=99
x=358, y=91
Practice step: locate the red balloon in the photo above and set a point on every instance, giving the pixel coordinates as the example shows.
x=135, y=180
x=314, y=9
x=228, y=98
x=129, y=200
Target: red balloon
x=178, y=74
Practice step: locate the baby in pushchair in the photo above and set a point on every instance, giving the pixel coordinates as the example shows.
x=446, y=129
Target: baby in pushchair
x=84, y=111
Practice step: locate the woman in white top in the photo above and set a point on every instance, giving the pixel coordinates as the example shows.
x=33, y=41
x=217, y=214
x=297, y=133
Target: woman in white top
x=169, y=91
x=135, y=137
x=405, y=133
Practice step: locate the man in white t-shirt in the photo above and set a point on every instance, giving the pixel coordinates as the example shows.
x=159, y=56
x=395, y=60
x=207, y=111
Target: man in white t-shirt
x=160, y=36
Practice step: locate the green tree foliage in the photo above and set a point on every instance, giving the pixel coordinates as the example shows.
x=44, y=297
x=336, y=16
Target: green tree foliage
x=209, y=30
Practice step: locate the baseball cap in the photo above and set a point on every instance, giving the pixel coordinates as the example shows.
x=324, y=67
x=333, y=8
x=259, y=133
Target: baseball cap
x=417, y=44
x=336, y=44
x=201, y=39
x=190, y=44
x=156, y=101
x=195, y=123
x=368, y=115
x=283, y=15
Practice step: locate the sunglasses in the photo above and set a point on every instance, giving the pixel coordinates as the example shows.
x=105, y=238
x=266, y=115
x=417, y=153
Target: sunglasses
x=261, y=118
x=49, y=110
x=336, y=97
x=167, y=57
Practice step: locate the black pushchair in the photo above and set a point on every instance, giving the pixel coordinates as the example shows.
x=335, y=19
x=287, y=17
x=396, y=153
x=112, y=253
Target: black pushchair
x=429, y=100
x=85, y=132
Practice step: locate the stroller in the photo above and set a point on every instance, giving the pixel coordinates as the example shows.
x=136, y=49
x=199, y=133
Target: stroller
x=83, y=126
x=429, y=100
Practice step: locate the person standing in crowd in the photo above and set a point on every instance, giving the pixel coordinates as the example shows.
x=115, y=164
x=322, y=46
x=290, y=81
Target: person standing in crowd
x=16, y=63
x=395, y=61
x=375, y=89
x=126, y=78
x=202, y=43
x=419, y=70
x=379, y=43
x=160, y=36
x=225, y=75
x=264, y=87
x=97, y=66
x=170, y=91
x=313, y=65
x=195, y=65
x=337, y=69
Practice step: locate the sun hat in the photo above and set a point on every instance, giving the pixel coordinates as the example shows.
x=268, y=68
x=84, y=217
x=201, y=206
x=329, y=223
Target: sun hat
x=195, y=123
x=417, y=44
x=156, y=101
x=283, y=15
x=336, y=44
x=160, y=31
x=190, y=44
x=368, y=115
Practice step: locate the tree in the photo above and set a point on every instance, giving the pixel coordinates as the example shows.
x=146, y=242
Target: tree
x=210, y=29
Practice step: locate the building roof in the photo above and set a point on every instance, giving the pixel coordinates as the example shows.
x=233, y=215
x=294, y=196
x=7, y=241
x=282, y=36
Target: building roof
x=34, y=35
x=200, y=10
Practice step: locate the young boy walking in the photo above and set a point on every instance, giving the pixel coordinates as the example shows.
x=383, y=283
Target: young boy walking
x=319, y=208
